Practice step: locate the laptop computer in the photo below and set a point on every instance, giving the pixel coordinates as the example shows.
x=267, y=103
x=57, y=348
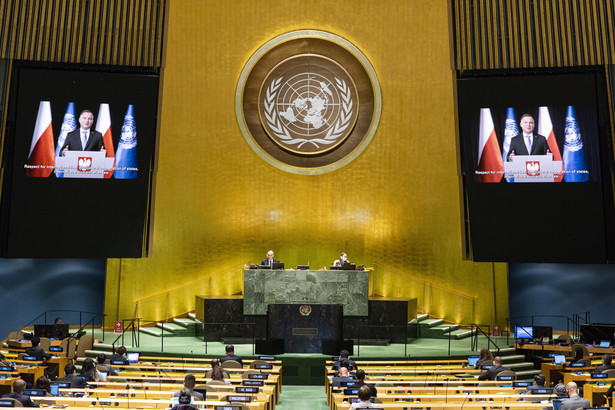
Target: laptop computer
x=605, y=343
x=472, y=360
x=133, y=357
x=559, y=359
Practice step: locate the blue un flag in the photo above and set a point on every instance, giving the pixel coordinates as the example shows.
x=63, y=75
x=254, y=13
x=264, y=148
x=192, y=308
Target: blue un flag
x=510, y=130
x=69, y=123
x=126, y=156
x=575, y=166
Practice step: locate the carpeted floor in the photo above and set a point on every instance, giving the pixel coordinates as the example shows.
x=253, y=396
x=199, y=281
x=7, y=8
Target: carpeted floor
x=302, y=398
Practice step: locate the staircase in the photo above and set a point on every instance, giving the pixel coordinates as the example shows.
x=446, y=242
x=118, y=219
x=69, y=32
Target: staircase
x=425, y=328
x=180, y=327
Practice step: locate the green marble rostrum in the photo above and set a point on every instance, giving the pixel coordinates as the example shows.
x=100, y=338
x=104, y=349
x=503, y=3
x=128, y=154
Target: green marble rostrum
x=264, y=287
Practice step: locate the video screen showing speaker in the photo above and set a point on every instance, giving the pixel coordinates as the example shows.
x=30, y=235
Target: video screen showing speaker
x=78, y=161
x=535, y=160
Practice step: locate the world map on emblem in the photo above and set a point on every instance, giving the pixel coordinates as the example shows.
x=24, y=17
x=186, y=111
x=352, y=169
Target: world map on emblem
x=308, y=104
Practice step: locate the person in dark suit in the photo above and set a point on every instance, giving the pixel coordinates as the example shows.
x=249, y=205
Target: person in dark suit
x=230, y=355
x=539, y=383
x=606, y=364
x=344, y=357
x=269, y=260
x=189, y=383
x=492, y=373
x=83, y=138
x=19, y=387
x=70, y=377
x=575, y=401
x=343, y=376
x=519, y=143
x=36, y=351
x=119, y=355
x=360, y=376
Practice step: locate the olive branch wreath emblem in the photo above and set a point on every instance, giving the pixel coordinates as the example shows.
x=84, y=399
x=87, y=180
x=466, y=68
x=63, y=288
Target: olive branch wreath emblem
x=279, y=129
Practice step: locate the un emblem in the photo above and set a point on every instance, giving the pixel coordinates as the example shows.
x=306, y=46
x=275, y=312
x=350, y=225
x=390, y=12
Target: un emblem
x=308, y=102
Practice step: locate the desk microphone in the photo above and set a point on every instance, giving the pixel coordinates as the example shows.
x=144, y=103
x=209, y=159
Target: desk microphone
x=143, y=388
x=128, y=394
x=464, y=401
x=99, y=403
x=446, y=390
x=435, y=385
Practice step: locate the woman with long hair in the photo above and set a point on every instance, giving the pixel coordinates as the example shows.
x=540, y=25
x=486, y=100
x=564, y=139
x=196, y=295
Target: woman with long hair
x=88, y=369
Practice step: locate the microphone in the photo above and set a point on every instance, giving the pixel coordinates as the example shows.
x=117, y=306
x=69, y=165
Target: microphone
x=128, y=394
x=435, y=385
x=464, y=401
x=446, y=390
x=99, y=403
x=143, y=388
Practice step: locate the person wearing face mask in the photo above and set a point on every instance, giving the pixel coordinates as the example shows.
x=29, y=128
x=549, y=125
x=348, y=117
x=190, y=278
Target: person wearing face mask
x=342, y=260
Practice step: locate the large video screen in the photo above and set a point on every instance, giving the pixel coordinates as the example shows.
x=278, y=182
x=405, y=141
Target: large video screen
x=78, y=162
x=534, y=152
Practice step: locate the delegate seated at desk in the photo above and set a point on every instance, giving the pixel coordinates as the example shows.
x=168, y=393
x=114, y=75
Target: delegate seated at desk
x=492, y=373
x=269, y=260
x=36, y=351
x=19, y=388
x=606, y=364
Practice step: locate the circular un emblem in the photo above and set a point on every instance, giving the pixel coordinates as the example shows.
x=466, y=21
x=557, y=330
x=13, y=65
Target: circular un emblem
x=308, y=102
x=305, y=310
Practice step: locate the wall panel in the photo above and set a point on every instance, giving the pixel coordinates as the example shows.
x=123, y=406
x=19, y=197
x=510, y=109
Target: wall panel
x=219, y=206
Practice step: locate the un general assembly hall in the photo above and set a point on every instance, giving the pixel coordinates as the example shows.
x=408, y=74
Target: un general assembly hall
x=396, y=204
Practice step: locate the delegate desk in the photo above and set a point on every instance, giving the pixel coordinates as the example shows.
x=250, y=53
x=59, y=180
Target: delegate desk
x=264, y=287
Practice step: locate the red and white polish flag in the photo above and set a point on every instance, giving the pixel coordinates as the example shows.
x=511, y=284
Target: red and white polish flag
x=41, y=158
x=103, y=125
x=490, y=166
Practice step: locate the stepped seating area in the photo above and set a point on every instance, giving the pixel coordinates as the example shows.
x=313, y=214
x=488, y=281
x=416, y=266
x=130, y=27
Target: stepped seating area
x=434, y=384
x=152, y=382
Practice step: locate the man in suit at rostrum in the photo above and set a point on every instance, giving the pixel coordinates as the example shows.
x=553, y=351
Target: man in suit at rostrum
x=527, y=142
x=83, y=138
x=269, y=260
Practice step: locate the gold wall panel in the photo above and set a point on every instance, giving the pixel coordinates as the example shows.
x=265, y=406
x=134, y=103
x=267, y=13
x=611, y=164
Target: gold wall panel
x=491, y=34
x=117, y=32
x=218, y=205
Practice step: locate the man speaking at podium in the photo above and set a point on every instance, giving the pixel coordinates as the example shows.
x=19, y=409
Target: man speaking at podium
x=84, y=138
x=527, y=142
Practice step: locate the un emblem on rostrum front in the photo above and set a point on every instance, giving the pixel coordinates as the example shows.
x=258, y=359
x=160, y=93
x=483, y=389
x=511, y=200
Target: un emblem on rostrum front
x=308, y=104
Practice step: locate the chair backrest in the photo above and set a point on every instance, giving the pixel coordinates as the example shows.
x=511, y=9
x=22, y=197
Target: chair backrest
x=68, y=347
x=101, y=368
x=255, y=362
x=44, y=343
x=12, y=335
x=487, y=363
x=231, y=364
x=585, y=360
x=20, y=356
x=85, y=343
x=246, y=374
x=215, y=382
x=564, y=338
x=578, y=346
x=208, y=374
x=205, y=387
x=16, y=402
x=610, y=373
x=507, y=373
